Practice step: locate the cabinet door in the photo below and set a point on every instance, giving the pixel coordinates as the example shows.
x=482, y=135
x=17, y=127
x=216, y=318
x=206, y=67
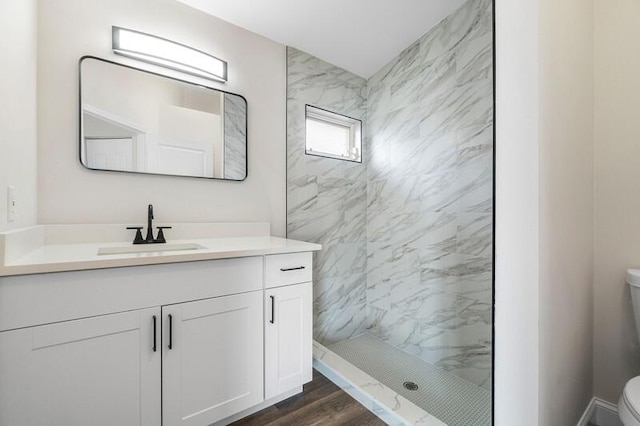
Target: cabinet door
x=212, y=358
x=288, y=358
x=94, y=371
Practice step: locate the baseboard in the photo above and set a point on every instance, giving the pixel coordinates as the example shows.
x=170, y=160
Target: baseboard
x=601, y=413
x=256, y=408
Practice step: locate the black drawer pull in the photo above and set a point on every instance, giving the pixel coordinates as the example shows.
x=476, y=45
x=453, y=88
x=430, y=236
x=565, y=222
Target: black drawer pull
x=273, y=309
x=154, y=333
x=170, y=332
x=292, y=269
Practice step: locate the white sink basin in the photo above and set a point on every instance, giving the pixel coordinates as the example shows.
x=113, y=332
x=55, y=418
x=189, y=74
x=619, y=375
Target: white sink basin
x=148, y=248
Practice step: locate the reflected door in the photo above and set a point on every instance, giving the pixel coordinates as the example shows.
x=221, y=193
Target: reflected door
x=110, y=154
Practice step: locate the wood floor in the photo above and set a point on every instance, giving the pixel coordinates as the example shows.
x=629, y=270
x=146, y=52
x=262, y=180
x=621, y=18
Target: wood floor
x=321, y=403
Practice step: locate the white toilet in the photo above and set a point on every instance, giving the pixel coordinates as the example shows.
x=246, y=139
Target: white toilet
x=629, y=403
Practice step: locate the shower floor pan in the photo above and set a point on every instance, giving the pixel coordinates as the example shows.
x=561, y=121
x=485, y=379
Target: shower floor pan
x=382, y=377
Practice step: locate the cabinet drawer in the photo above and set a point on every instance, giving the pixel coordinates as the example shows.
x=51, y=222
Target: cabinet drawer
x=285, y=269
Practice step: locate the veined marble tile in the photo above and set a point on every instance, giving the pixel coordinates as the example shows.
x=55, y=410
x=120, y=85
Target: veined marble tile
x=339, y=307
x=378, y=292
x=302, y=193
x=377, y=161
x=393, y=288
x=463, y=106
x=378, y=99
x=474, y=311
x=397, y=66
x=432, y=308
x=452, y=30
x=395, y=328
x=235, y=137
x=342, y=194
x=456, y=265
x=440, y=192
x=475, y=147
x=475, y=59
x=378, y=229
x=386, y=261
x=431, y=192
x=475, y=135
x=424, y=82
x=475, y=186
x=375, y=316
x=343, y=258
x=395, y=127
x=474, y=286
x=475, y=234
x=434, y=231
x=305, y=164
x=426, y=155
x=318, y=225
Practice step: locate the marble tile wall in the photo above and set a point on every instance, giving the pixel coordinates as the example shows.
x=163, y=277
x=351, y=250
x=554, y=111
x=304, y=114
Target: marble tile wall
x=407, y=235
x=235, y=137
x=429, y=196
x=327, y=198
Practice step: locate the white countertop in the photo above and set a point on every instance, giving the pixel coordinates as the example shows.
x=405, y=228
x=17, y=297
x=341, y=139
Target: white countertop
x=43, y=258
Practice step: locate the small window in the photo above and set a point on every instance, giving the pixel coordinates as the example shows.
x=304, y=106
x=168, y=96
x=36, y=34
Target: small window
x=333, y=135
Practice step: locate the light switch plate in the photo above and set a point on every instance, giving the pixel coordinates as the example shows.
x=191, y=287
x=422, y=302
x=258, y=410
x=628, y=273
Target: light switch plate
x=12, y=204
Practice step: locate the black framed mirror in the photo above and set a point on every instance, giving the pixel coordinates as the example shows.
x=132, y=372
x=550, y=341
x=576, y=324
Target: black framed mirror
x=137, y=121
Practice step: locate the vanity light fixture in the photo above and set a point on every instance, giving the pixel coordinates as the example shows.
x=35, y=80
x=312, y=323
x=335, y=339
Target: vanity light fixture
x=167, y=53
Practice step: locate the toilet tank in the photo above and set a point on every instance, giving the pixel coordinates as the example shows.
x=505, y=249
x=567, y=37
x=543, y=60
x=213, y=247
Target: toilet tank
x=633, y=279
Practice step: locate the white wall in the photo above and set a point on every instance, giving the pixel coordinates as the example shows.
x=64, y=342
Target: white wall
x=544, y=212
x=68, y=193
x=566, y=210
x=18, y=143
x=516, y=268
x=617, y=192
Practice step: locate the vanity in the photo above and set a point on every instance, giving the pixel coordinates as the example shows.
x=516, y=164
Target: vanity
x=165, y=336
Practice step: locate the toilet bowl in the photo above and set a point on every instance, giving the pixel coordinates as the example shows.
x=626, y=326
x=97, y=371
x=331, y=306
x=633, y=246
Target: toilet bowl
x=629, y=403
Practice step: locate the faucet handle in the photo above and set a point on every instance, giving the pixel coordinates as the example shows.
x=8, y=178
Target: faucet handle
x=160, y=238
x=138, y=239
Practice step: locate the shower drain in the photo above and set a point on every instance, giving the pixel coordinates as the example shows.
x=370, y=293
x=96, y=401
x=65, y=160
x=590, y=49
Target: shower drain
x=410, y=386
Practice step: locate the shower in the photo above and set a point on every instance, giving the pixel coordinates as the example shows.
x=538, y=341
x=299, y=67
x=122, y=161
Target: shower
x=403, y=286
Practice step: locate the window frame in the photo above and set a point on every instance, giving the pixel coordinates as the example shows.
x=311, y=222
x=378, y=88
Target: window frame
x=333, y=118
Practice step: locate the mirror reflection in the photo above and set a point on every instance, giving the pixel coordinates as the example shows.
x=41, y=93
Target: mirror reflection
x=136, y=121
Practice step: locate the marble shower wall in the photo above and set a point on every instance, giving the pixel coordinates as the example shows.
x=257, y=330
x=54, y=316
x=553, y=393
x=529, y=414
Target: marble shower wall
x=407, y=235
x=327, y=198
x=429, y=196
x=235, y=137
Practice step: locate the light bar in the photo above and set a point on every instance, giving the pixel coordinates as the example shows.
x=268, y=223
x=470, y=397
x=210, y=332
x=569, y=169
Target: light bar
x=167, y=53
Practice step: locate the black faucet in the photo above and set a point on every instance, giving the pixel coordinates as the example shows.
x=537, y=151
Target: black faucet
x=149, y=240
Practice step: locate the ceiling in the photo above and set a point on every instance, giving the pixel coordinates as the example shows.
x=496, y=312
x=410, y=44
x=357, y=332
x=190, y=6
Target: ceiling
x=360, y=36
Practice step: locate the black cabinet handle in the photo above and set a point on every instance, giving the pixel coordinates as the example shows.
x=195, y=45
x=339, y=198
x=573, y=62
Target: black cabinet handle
x=170, y=332
x=292, y=269
x=273, y=309
x=154, y=334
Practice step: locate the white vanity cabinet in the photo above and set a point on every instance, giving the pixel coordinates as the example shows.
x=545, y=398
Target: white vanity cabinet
x=94, y=371
x=187, y=343
x=288, y=341
x=212, y=363
x=288, y=322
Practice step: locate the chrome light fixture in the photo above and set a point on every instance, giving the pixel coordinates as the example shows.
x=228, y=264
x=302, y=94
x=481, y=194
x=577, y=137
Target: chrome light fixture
x=167, y=53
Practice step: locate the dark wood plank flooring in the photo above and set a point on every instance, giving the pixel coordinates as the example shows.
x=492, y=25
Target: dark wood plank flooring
x=320, y=403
